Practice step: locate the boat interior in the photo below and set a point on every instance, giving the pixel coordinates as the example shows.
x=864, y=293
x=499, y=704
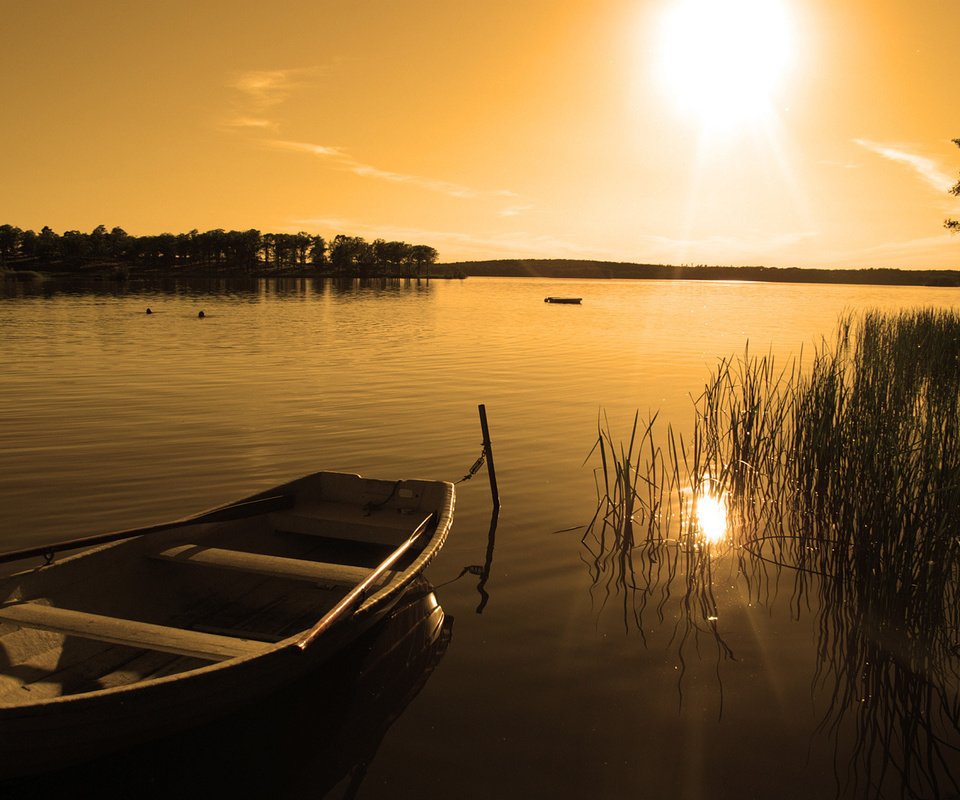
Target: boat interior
x=162, y=604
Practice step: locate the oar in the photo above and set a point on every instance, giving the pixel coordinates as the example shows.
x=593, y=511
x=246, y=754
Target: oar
x=238, y=510
x=356, y=595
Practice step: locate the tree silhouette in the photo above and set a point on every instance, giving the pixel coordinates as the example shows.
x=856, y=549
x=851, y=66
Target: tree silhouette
x=350, y=254
x=119, y=244
x=97, y=242
x=421, y=256
x=48, y=245
x=233, y=251
x=954, y=224
x=9, y=240
x=318, y=251
x=75, y=247
x=28, y=244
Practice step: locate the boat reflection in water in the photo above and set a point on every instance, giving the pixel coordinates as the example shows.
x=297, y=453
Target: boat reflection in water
x=314, y=736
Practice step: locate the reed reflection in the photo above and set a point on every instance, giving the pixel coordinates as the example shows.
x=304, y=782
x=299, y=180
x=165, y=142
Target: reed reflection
x=844, y=477
x=646, y=546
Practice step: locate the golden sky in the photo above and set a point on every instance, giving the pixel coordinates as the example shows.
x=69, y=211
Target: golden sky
x=777, y=132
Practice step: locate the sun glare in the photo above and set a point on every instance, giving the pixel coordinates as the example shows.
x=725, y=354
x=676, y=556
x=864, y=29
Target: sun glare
x=723, y=60
x=712, y=516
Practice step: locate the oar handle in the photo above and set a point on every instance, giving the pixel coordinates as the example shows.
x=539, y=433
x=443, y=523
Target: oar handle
x=358, y=592
x=243, y=508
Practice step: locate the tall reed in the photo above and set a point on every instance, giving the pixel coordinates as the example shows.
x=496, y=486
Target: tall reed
x=846, y=473
x=876, y=463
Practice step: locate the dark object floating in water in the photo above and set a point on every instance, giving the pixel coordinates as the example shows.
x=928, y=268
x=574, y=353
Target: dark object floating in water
x=568, y=300
x=201, y=315
x=149, y=311
x=175, y=625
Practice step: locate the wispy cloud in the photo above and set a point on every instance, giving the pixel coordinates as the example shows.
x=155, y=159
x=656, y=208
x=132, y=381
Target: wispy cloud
x=250, y=122
x=514, y=211
x=320, y=150
x=805, y=249
x=257, y=92
x=747, y=248
x=926, y=252
x=925, y=167
x=343, y=160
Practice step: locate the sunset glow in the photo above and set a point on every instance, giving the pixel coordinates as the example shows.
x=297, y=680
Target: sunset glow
x=722, y=61
x=774, y=132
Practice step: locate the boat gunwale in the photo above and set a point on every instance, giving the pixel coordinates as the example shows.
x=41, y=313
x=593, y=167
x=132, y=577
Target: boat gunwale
x=378, y=603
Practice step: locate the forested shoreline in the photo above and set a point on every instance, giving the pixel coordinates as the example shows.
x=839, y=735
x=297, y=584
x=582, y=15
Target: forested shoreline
x=563, y=268
x=116, y=253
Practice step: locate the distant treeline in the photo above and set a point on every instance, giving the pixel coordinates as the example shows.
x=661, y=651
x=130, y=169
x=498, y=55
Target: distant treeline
x=218, y=250
x=561, y=268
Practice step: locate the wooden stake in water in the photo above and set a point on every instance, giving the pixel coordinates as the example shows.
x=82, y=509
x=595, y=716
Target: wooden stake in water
x=488, y=450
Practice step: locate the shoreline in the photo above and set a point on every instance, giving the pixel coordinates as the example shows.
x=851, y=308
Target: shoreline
x=558, y=269
x=609, y=270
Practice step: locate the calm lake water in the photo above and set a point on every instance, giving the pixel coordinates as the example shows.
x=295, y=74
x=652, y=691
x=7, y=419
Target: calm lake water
x=114, y=418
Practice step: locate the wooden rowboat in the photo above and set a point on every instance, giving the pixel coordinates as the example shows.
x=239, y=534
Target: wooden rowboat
x=304, y=738
x=175, y=626
x=566, y=300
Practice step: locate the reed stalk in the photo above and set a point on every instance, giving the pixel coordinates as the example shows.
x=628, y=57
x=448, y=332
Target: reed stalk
x=846, y=473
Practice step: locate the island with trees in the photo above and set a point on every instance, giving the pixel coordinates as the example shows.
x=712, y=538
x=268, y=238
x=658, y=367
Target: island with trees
x=116, y=253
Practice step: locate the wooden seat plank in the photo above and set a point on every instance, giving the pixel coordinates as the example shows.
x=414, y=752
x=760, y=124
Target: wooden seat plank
x=274, y=566
x=335, y=522
x=130, y=633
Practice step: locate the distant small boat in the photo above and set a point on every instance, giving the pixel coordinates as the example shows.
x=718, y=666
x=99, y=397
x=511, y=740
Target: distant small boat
x=568, y=300
x=173, y=627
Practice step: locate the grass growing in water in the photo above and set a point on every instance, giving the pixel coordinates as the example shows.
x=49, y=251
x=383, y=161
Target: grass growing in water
x=848, y=475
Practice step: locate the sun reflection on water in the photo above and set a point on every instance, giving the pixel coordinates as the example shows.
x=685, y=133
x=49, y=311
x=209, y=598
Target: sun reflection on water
x=711, y=514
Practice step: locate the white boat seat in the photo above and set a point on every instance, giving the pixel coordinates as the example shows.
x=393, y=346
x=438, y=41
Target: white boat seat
x=332, y=522
x=273, y=566
x=130, y=633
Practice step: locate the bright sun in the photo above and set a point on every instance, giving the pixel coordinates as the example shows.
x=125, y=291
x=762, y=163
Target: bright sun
x=723, y=60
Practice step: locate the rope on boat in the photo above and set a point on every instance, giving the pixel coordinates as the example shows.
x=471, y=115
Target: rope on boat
x=476, y=466
x=371, y=506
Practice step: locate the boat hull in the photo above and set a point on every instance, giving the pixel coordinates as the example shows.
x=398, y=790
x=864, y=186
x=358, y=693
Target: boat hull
x=71, y=726
x=303, y=729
